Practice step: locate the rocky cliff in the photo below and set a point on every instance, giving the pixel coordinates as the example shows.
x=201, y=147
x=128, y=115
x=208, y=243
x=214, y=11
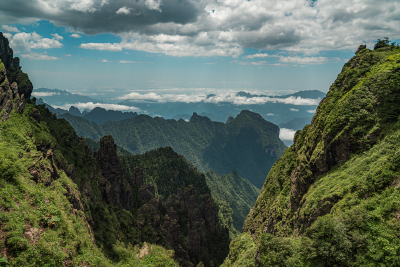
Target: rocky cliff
x=15, y=86
x=13, y=78
x=332, y=199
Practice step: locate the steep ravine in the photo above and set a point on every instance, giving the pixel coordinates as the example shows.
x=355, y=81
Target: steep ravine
x=63, y=205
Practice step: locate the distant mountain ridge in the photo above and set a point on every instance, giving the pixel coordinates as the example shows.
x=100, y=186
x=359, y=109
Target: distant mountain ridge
x=101, y=116
x=61, y=97
x=248, y=144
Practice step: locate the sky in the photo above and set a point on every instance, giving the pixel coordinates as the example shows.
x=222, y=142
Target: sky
x=115, y=49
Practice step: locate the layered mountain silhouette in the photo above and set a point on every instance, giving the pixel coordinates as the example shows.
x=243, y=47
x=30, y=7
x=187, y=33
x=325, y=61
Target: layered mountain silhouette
x=248, y=144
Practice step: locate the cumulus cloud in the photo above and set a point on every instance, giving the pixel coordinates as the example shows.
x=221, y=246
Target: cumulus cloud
x=294, y=109
x=312, y=111
x=7, y=35
x=57, y=37
x=39, y=56
x=44, y=94
x=28, y=41
x=91, y=105
x=219, y=28
x=105, y=60
x=153, y=4
x=75, y=35
x=123, y=11
x=263, y=55
x=7, y=28
x=215, y=99
x=286, y=134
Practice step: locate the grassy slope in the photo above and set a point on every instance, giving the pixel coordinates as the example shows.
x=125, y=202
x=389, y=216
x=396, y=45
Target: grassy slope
x=349, y=216
x=239, y=145
x=27, y=205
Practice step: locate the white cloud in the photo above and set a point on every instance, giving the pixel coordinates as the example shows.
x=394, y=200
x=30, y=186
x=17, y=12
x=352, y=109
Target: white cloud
x=225, y=97
x=7, y=28
x=7, y=35
x=286, y=134
x=223, y=27
x=68, y=55
x=123, y=11
x=249, y=63
x=312, y=111
x=44, y=94
x=74, y=35
x=294, y=109
x=178, y=46
x=91, y=105
x=105, y=60
x=304, y=60
x=270, y=114
x=28, y=41
x=57, y=37
x=82, y=5
x=38, y=56
x=153, y=4
x=126, y=61
x=264, y=55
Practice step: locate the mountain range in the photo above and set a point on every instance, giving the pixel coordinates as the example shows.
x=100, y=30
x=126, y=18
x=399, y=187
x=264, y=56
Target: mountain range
x=330, y=199
x=248, y=144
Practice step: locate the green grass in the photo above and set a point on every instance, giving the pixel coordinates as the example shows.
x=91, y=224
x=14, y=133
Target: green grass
x=333, y=198
x=38, y=226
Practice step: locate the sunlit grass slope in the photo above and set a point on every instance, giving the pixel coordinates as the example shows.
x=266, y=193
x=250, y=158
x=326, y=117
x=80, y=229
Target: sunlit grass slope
x=38, y=224
x=333, y=199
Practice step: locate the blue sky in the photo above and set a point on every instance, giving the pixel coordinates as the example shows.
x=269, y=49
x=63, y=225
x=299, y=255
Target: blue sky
x=108, y=49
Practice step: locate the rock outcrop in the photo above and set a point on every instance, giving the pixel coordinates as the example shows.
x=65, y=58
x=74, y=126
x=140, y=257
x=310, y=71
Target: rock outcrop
x=15, y=86
x=115, y=186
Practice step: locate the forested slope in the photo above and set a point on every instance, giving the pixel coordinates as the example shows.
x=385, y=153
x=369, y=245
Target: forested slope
x=248, y=144
x=61, y=204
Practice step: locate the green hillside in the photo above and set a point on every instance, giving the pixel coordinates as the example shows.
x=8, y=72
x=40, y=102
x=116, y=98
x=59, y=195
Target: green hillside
x=248, y=144
x=333, y=198
x=236, y=192
x=62, y=205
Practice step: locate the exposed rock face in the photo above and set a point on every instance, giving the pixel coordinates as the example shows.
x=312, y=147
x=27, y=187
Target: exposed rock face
x=6, y=55
x=209, y=213
x=15, y=86
x=196, y=225
x=138, y=176
x=361, y=47
x=147, y=192
x=115, y=187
